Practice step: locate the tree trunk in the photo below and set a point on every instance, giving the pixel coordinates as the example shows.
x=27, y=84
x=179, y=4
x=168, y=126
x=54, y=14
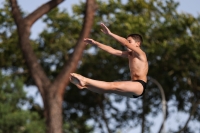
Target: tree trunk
x=51, y=92
x=53, y=112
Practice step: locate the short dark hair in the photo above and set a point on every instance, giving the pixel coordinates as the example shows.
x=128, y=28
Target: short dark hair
x=136, y=37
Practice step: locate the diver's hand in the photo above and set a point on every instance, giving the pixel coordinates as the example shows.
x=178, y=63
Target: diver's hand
x=105, y=29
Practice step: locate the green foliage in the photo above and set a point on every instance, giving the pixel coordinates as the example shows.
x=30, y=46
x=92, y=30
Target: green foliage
x=13, y=118
x=171, y=42
x=8, y=41
x=53, y=47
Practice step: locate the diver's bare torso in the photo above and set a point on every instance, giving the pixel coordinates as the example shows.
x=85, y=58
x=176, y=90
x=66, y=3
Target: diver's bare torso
x=138, y=66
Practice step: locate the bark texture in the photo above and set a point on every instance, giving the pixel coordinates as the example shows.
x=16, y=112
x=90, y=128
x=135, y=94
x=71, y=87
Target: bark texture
x=51, y=92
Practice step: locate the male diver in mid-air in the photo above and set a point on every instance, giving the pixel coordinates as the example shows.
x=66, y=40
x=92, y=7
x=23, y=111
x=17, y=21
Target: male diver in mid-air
x=138, y=66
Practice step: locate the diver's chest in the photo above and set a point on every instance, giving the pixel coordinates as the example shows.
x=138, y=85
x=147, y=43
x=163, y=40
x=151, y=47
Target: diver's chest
x=133, y=58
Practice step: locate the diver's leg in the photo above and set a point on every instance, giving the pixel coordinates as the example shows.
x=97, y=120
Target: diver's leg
x=125, y=88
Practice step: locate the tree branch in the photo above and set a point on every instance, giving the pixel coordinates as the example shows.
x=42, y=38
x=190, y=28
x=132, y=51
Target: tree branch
x=143, y=115
x=164, y=108
x=63, y=78
x=39, y=12
x=104, y=116
x=35, y=68
x=16, y=12
x=193, y=109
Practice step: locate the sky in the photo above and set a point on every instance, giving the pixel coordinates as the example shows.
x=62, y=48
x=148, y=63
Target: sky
x=186, y=6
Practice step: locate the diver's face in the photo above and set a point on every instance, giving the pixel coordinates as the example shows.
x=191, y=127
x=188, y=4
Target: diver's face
x=132, y=42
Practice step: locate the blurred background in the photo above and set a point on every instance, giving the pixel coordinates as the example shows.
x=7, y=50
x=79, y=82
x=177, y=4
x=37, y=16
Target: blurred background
x=171, y=33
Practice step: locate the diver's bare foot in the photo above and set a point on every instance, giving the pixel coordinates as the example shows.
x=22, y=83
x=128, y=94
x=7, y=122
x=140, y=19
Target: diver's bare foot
x=77, y=80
